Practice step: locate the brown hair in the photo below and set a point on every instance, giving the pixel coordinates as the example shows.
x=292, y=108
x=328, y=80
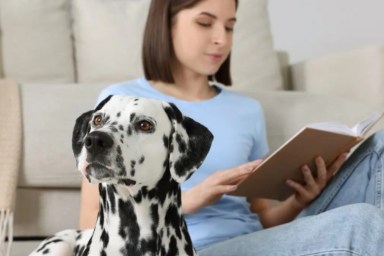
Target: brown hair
x=157, y=51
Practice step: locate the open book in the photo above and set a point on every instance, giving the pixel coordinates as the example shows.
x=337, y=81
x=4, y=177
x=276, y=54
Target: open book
x=327, y=140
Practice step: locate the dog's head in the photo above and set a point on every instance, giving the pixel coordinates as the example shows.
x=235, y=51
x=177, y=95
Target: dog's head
x=133, y=141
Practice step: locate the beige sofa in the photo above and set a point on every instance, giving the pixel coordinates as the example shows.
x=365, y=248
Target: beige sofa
x=62, y=53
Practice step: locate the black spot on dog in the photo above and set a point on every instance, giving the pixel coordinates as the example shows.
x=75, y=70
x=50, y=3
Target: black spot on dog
x=188, y=246
x=133, y=164
x=129, y=228
x=118, y=150
x=103, y=197
x=182, y=144
x=111, y=197
x=172, y=247
x=102, y=103
x=141, y=160
x=131, y=117
x=172, y=218
x=138, y=197
x=129, y=131
x=155, y=215
x=104, y=238
x=120, y=165
x=113, y=129
x=165, y=141
x=53, y=241
x=121, y=127
x=118, y=114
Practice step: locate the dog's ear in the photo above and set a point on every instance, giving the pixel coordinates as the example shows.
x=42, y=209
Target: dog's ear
x=82, y=127
x=189, y=144
x=80, y=130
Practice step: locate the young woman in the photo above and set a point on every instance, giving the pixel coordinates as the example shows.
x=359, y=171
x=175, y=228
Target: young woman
x=186, y=49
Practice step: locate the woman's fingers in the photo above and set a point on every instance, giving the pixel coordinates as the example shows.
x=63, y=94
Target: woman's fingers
x=322, y=172
x=237, y=174
x=334, y=168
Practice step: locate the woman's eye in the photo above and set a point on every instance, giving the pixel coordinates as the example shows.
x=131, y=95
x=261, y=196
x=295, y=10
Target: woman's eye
x=204, y=24
x=230, y=29
x=98, y=120
x=145, y=126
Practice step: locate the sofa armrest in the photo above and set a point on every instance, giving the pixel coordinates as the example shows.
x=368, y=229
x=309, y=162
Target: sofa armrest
x=356, y=74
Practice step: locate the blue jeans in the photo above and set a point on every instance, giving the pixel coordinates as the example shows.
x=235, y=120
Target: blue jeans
x=346, y=219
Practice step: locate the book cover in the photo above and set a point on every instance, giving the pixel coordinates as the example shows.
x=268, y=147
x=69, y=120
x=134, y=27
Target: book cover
x=268, y=180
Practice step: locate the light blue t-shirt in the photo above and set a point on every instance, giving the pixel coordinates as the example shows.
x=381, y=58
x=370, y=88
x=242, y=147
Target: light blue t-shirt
x=237, y=123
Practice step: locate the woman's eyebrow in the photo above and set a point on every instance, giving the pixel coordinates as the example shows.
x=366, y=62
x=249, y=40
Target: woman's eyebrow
x=214, y=16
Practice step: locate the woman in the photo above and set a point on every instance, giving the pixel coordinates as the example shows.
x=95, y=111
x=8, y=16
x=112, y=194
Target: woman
x=187, y=45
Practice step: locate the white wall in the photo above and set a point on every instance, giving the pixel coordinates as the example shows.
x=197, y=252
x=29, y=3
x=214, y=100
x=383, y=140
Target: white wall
x=310, y=28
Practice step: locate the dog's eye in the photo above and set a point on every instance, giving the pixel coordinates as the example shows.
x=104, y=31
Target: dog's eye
x=145, y=126
x=98, y=120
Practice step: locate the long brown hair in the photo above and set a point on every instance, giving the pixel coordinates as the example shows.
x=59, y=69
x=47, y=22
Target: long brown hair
x=157, y=51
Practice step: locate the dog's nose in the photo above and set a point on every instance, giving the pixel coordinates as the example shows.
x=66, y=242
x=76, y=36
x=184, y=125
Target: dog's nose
x=98, y=142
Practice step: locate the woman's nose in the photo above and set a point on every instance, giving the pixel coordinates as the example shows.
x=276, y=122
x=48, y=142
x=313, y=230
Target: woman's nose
x=220, y=36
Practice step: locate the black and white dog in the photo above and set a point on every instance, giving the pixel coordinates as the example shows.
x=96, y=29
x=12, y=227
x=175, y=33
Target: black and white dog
x=138, y=150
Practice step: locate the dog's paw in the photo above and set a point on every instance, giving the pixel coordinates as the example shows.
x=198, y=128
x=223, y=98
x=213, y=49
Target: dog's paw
x=63, y=243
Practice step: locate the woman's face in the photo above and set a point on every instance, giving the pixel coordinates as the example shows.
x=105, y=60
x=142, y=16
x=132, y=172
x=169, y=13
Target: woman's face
x=202, y=36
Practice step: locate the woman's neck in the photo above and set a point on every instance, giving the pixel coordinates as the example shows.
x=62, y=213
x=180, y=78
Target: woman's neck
x=191, y=89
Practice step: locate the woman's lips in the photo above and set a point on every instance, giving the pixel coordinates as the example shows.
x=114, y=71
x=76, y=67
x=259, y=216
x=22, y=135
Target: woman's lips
x=215, y=57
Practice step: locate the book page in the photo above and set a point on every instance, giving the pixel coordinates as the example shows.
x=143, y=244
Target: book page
x=362, y=127
x=357, y=130
x=333, y=127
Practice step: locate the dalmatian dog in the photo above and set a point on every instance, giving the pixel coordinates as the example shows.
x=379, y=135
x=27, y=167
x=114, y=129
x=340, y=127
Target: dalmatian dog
x=139, y=150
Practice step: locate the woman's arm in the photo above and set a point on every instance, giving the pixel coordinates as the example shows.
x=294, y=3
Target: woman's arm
x=89, y=204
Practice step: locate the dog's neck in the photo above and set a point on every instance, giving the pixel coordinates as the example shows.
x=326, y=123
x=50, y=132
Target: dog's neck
x=137, y=224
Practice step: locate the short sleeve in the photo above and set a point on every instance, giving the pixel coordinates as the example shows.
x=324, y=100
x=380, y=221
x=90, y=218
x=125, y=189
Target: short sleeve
x=260, y=142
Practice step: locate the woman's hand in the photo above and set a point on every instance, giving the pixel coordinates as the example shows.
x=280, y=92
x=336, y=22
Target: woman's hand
x=288, y=209
x=215, y=186
x=313, y=186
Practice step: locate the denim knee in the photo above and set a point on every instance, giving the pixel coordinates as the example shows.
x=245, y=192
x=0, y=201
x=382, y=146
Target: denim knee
x=362, y=214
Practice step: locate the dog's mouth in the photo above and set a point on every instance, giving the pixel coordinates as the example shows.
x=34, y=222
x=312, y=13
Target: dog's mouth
x=100, y=172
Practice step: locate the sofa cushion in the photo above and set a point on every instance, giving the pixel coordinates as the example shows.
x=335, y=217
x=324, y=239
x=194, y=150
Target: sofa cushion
x=108, y=38
x=43, y=212
x=36, y=39
x=49, y=113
